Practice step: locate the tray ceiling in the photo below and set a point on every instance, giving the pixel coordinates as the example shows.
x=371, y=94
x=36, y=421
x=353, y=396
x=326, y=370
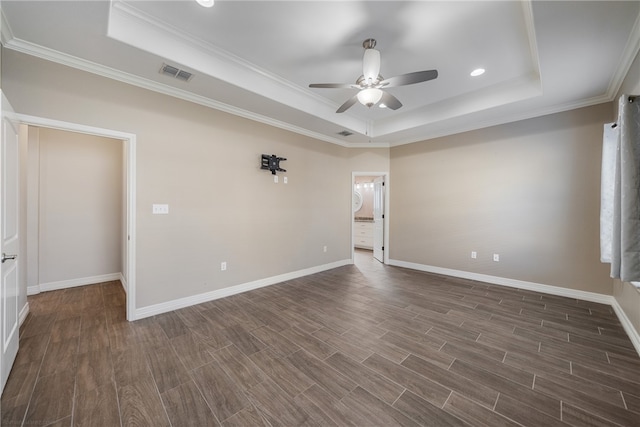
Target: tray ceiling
x=257, y=58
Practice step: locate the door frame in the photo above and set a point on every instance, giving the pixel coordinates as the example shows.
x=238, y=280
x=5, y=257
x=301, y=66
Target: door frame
x=128, y=277
x=385, y=241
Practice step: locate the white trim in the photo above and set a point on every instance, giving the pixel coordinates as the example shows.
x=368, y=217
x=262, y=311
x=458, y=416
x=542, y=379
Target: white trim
x=129, y=140
x=24, y=313
x=82, y=281
x=123, y=282
x=634, y=335
x=165, y=307
x=131, y=227
x=527, y=8
x=111, y=73
x=6, y=34
x=512, y=283
x=52, y=55
x=629, y=53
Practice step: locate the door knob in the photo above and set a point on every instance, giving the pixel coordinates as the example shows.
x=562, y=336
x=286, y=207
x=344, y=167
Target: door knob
x=6, y=257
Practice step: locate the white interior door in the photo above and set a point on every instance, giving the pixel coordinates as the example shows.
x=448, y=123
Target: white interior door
x=378, y=218
x=9, y=242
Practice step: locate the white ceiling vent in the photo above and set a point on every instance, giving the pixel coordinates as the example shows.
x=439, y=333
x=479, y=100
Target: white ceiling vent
x=176, y=72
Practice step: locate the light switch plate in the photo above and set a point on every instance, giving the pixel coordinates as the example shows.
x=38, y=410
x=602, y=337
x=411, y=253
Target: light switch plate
x=160, y=209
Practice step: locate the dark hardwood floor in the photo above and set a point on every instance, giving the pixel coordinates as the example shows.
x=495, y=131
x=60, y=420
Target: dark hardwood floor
x=363, y=345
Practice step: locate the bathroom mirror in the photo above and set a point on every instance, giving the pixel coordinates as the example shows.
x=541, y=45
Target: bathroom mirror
x=357, y=201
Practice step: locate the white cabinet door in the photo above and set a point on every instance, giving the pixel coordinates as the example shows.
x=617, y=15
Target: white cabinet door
x=9, y=242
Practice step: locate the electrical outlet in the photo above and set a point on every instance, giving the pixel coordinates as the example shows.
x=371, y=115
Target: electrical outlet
x=324, y=249
x=223, y=266
x=474, y=254
x=275, y=179
x=496, y=257
x=285, y=180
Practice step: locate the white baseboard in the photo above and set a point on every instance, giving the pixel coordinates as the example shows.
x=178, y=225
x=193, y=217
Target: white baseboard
x=165, y=307
x=24, y=313
x=63, y=284
x=125, y=285
x=512, y=283
x=634, y=336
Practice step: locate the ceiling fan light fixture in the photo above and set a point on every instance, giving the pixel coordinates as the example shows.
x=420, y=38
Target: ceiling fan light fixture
x=205, y=3
x=369, y=97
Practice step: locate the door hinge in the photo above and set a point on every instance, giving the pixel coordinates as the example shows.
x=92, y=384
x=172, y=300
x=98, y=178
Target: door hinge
x=383, y=248
x=382, y=216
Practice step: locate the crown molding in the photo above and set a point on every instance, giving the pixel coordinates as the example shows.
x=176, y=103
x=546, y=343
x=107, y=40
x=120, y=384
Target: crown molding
x=138, y=29
x=540, y=112
x=308, y=98
x=210, y=49
x=527, y=7
x=6, y=34
x=629, y=53
x=111, y=73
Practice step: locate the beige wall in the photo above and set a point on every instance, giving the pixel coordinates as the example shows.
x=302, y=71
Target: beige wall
x=528, y=191
x=80, y=206
x=205, y=164
x=626, y=294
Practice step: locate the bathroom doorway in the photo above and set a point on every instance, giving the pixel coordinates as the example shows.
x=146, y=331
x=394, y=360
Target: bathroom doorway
x=370, y=215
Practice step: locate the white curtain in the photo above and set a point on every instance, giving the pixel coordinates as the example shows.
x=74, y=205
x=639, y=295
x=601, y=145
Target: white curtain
x=607, y=189
x=620, y=193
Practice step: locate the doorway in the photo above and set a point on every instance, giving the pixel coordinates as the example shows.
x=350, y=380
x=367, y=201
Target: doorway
x=127, y=143
x=74, y=209
x=370, y=231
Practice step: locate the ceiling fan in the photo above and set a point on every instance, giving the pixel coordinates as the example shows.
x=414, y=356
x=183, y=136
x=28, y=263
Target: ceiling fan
x=371, y=83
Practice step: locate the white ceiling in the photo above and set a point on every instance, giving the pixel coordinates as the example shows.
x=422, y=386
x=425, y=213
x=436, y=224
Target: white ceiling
x=257, y=58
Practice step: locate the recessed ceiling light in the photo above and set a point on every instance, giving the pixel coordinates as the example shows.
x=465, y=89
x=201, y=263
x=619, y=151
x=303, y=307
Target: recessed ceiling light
x=477, y=72
x=205, y=3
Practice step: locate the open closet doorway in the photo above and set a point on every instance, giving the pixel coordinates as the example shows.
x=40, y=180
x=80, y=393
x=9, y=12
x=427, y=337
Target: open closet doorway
x=80, y=191
x=370, y=215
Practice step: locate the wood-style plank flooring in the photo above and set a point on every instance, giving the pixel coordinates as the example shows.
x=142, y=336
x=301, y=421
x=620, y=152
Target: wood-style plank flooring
x=363, y=345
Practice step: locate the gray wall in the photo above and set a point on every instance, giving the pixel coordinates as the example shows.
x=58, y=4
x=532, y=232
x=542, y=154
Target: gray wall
x=528, y=191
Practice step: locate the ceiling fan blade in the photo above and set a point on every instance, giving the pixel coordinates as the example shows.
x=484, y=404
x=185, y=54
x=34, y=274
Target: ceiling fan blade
x=348, y=104
x=332, y=85
x=390, y=101
x=410, y=78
